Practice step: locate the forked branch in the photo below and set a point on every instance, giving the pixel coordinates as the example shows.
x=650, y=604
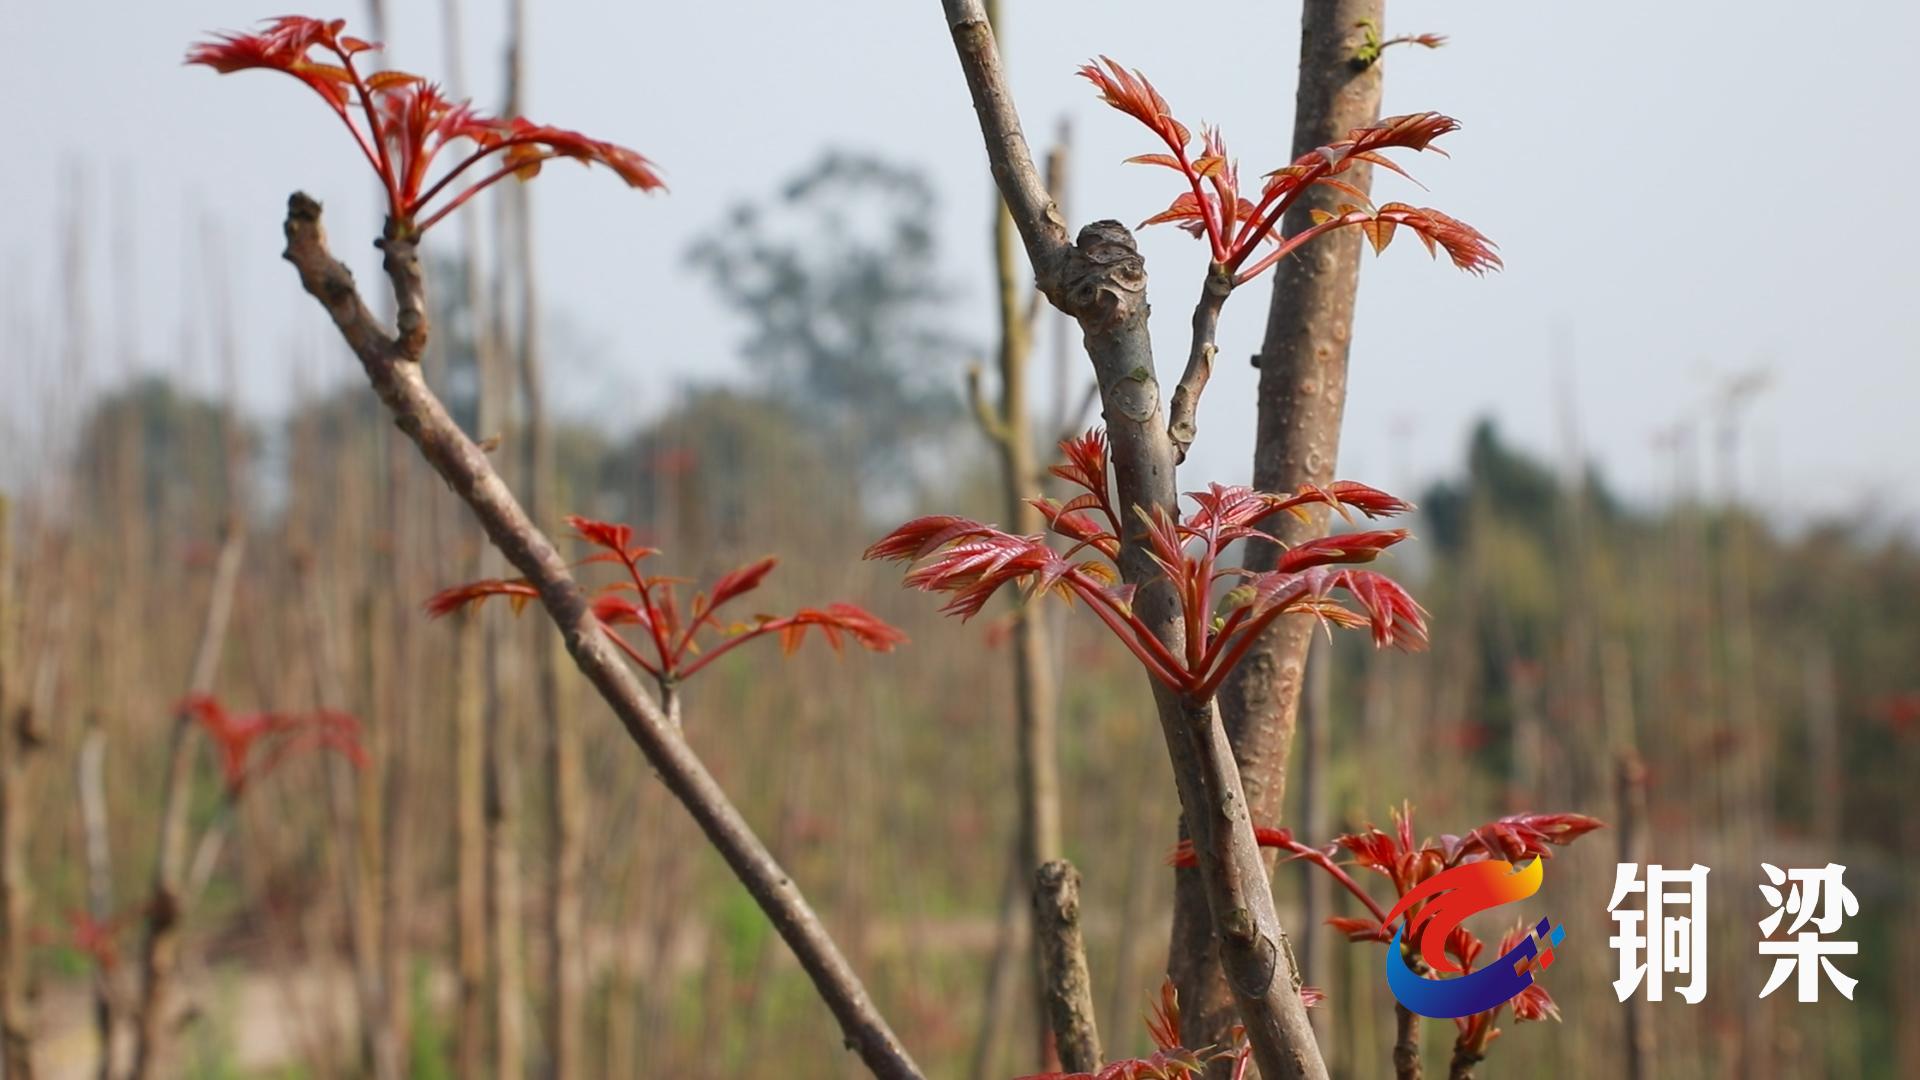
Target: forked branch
x=1100, y=280
x=392, y=366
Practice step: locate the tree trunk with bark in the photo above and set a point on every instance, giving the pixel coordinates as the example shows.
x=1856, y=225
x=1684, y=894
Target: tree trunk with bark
x=1100, y=280
x=1303, y=389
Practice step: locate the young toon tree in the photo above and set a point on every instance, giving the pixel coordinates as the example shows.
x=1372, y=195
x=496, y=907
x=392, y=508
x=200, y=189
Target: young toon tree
x=402, y=124
x=1099, y=279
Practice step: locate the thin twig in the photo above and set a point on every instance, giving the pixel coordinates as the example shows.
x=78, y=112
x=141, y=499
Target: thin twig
x=392, y=366
x=1181, y=423
x=992, y=425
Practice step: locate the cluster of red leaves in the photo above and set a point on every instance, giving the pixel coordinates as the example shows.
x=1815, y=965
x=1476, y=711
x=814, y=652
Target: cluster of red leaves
x=1406, y=862
x=1171, y=1060
x=98, y=940
x=1235, y=226
x=670, y=649
x=971, y=561
x=408, y=121
x=1902, y=712
x=237, y=736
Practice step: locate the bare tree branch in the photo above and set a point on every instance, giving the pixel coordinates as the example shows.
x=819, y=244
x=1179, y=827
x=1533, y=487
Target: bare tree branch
x=1067, y=989
x=392, y=367
x=1100, y=280
x=1042, y=229
x=985, y=413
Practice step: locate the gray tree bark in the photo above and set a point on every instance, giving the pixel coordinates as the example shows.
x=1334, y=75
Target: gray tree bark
x=1067, y=989
x=1303, y=390
x=1100, y=280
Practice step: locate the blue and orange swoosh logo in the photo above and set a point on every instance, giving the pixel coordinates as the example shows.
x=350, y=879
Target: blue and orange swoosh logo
x=1450, y=897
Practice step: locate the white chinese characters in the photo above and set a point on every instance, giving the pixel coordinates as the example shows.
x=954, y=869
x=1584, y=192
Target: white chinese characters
x=1666, y=934
x=1804, y=951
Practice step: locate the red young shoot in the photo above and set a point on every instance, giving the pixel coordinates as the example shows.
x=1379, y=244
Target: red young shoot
x=970, y=561
x=669, y=647
x=96, y=939
x=1372, y=47
x=1235, y=226
x=1171, y=1059
x=1405, y=862
x=402, y=122
x=237, y=737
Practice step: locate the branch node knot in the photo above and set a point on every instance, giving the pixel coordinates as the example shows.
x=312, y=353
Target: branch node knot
x=1105, y=277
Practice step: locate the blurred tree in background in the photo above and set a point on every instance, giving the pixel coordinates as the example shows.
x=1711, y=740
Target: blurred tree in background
x=838, y=281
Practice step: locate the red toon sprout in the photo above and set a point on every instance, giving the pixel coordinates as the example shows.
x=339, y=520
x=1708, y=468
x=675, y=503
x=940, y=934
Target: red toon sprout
x=1235, y=226
x=970, y=561
x=237, y=736
x=1406, y=862
x=402, y=122
x=670, y=648
x=1171, y=1059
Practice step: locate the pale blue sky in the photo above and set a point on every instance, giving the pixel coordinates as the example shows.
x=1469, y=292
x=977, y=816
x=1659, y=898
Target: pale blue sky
x=1679, y=190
